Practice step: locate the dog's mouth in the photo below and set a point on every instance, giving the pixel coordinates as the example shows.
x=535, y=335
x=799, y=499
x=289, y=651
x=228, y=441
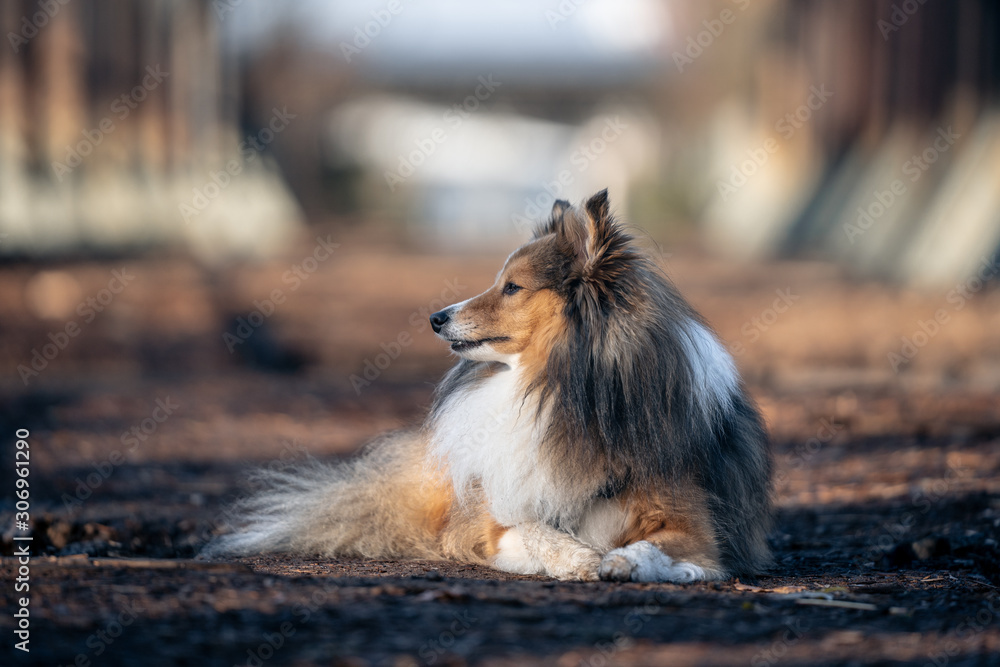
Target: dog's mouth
x=466, y=345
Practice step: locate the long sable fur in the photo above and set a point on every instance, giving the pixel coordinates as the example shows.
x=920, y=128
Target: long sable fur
x=622, y=398
x=621, y=388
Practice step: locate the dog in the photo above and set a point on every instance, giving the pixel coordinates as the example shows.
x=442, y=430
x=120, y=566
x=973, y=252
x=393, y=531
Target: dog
x=593, y=427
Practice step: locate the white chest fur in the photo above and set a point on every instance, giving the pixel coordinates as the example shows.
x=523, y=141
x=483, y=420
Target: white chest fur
x=489, y=433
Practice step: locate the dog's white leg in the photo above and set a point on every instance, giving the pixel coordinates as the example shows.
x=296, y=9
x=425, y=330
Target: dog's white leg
x=537, y=548
x=643, y=561
x=513, y=556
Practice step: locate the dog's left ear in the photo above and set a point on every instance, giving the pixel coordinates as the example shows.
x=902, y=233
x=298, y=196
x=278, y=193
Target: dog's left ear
x=556, y=221
x=568, y=226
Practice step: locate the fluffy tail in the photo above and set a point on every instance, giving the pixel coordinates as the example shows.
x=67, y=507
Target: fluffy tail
x=384, y=504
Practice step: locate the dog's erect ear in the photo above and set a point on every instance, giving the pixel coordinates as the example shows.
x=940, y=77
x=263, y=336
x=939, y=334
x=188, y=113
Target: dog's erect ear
x=565, y=223
x=590, y=234
x=598, y=206
x=571, y=231
x=559, y=208
x=555, y=221
x=607, y=252
x=600, y=226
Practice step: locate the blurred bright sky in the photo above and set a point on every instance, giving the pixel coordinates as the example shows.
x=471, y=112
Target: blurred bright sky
x=449, y=38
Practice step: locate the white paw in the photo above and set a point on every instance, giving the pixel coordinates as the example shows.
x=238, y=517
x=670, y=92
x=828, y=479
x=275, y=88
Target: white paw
x=642, y=561
x=513, y=557
x=579, y=564
x=616, y=567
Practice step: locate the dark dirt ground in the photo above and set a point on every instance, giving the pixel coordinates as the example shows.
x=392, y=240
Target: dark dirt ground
x=888, y=492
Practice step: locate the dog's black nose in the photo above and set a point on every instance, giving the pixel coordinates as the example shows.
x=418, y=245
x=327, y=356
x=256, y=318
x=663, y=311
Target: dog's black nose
x=438, y=320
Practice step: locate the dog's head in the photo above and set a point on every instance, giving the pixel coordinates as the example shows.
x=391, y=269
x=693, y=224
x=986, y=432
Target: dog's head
x=575, y=260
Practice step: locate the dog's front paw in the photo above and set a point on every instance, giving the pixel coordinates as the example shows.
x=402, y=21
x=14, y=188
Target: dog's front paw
x=643, y=561
x=580, y=564
x=616, y=567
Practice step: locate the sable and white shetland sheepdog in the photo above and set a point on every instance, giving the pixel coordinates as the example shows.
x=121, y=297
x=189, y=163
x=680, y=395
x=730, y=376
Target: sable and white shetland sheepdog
x=593, y=428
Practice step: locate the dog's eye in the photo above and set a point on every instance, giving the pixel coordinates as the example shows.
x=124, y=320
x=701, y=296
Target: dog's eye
x=511, y=288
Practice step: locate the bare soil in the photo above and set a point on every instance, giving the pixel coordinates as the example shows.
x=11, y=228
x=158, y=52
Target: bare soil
x=888, y=492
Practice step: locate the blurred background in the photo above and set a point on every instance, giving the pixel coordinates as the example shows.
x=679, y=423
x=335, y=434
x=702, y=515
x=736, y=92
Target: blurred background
x=224, y=223
x=763, y=128
x=251, y=207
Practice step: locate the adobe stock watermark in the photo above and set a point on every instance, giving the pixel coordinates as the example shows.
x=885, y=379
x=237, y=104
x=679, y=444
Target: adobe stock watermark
x=704, y=39
x=419, y=321
x=898, y=17
x=635, y=620
x=756, y=326
x=302, y=613
x=254, y=144
x=891, y=533
x=537, y=208
x=121, y=108
x=136, y=435
x=431, y=651
x=88, y=310
x=795, y=629
x=786, y=127
x=364, y=34
x=957, y=297
x=224, y=7
x=966, y=632
x=428, y=145
x=22, y=522
x=31, y=26
x=101, y=641
x=562, y=12
x=292, y=454
x=802, y=453
x=914, y=168
x=273, y=642
x=294, y=278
